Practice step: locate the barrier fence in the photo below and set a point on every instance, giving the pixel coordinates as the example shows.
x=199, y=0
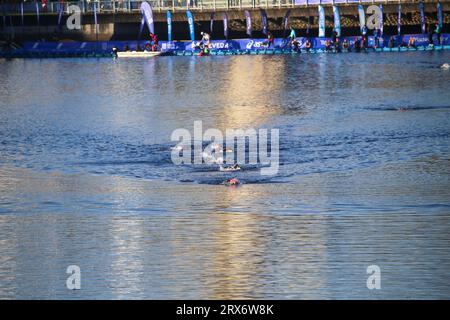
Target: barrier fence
x=130, y=6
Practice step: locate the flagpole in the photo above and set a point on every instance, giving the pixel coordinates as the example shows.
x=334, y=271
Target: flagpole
x=95, y=25
x=38, y=21
x=22, y=21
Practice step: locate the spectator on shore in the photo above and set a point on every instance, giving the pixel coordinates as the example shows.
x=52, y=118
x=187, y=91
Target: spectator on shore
x=270, y=39
x=364, y=42
x=292, y=35
x=334, y=36
x=346, y=46
x=357, y=45
x=337, y=46
x=328, y=46
x=308, y=45
x=377, y=34
x=364, y=31
x=295, y=45
x=438, y=33
x=391, y=42
x=412, y=43
x=430, y=35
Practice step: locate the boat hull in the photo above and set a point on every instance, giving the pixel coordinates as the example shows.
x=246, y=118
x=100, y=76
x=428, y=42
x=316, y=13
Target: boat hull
x=138, y=54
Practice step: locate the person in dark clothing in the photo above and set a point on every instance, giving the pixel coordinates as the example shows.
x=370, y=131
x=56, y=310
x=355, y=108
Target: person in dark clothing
x=337, y=46
x=412, y=43
x=430, y=35
x=308, y=45
x=270, y=39
x=377, y=34
x=328, y=47
x=357, y=45
x=346, y=46
x=391, y=42
x=295, y=45
x=334, y=37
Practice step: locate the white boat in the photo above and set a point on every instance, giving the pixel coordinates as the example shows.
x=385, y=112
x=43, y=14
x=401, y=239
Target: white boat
x=138, y=54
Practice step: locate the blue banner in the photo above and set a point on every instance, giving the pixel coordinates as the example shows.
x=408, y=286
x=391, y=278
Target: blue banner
x=362, y=17
x=21, y=12
x=235, y=44
x=321, y=22
x=190, y=18
x=439, y=12
x=264, y=21
x=286, y=19
x=169, y=25
x=399, y=19
x=95, y=18
x=337, y=20
x=4, y=16
x=147, y=13
x=422, y=17
x=381, y=19
x=59, y=17
x=248, y=22
x=211, y=22
x=37, y=13
x=225, y=24
x=308, y=26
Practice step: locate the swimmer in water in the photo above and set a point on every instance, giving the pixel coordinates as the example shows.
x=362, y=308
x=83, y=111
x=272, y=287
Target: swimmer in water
x=178, y=148
x=219, y=160
x=234, y=167
x=216, y=147
x=445, y=66
x=231, y=182
x=227, y=150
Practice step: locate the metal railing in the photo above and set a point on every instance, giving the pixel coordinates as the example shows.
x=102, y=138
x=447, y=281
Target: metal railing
x=129, y=6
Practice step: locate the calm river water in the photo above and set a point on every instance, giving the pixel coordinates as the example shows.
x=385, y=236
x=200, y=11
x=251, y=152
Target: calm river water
x=86, y=178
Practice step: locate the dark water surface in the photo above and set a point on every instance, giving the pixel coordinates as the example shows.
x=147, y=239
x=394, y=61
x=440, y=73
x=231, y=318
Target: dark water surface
x=86, y=178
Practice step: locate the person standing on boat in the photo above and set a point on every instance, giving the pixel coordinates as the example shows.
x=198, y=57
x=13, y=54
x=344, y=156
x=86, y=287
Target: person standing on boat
x=154, y=40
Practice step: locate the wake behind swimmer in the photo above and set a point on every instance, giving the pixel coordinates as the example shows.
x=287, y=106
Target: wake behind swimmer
x=236, y=147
